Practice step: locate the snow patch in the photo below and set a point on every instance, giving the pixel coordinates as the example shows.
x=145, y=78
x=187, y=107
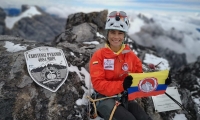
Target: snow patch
x=93, y=42
x=10, y=21
x=149, y=58
x=100, y=35
x=179, y=117
x=11, y=47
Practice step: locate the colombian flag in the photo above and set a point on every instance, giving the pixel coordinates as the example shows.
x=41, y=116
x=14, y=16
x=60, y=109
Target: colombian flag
x=147, y=84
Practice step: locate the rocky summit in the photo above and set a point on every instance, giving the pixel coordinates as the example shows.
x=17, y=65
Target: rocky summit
x=23, y=99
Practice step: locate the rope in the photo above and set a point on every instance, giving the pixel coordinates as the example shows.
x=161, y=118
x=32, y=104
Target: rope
x=95, y=109
x=179, y=105
x=117, y=103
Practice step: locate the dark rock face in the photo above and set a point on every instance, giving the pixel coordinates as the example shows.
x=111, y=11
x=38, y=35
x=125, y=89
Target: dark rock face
x=176, y=60
x=97, y=18
x=42, y=28
x=2, y=23
x=24, y=8
x=22, y=99
x=187, y=77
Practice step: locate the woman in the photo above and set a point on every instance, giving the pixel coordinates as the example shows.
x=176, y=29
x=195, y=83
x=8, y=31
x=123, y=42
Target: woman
x=109, y=68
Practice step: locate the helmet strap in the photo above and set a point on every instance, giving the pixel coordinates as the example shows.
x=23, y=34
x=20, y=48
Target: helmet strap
x=107, y=31
x=125, y=39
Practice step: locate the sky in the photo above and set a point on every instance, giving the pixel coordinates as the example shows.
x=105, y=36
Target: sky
x=64, y=6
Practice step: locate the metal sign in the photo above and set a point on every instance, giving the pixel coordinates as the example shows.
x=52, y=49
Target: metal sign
x=47, y=66
x=164, y=103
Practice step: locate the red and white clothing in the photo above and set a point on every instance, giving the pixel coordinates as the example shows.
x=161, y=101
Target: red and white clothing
x=108, y=69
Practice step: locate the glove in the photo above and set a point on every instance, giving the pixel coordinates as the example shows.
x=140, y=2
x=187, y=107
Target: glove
x=168, y=80
x=127, y=82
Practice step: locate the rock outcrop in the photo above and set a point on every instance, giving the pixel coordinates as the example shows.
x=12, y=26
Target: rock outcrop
x=2, y=23
x=97, y=18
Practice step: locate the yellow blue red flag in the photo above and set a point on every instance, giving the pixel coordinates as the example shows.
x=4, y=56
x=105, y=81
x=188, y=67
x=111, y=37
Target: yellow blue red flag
x=147, y=84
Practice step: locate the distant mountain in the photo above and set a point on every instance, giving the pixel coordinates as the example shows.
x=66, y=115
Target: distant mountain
x=31, y=22
x=198, y=29
x=2, y=23
x=174, y=32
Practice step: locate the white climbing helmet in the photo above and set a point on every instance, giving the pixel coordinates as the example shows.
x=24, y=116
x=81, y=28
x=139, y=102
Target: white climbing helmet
x=117, y=21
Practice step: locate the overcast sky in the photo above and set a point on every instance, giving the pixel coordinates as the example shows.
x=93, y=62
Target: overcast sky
x=172, y=6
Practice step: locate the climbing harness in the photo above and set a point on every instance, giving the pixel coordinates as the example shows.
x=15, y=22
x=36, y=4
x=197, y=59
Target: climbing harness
x=92, y=113
x=95, y=114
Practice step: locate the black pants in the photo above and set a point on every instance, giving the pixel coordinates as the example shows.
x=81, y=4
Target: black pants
x=134, y=112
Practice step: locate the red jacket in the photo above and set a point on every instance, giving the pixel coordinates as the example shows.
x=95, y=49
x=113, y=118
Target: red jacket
x=108, y=69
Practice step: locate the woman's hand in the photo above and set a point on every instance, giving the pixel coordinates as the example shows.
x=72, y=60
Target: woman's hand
x=127, y=82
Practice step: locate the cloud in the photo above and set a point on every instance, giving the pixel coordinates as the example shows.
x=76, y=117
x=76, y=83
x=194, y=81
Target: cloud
x=64, y=11
x=176, y=32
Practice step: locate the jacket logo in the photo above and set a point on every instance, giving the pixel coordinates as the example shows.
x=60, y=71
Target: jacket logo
x=109, y=64
x=148, y=84
x=125, y=67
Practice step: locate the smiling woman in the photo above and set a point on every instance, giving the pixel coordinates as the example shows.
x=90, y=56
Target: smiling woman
x=117, y=25
x=115, y=39
x=109, y=71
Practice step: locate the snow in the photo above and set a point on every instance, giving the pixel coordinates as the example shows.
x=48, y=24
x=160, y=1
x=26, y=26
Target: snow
x=152, y=59
x=198, y=81
x=93, y=42
x=10, y=21
x=87, y=81
x=179, y=117
x=11, y=47
x=71, y=53
x=100, y=35
x=196, y=100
